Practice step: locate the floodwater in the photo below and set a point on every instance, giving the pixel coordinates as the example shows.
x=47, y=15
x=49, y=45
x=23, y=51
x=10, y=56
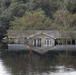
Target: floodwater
x=23, y=64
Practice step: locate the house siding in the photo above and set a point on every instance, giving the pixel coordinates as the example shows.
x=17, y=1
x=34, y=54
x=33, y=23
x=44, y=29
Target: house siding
x=43, y=37
x=22, y=40
x=16, y=40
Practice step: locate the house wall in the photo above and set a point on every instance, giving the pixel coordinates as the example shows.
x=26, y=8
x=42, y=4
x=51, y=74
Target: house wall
x=16, y=40
x=13, y=40
x=43, y=37
x=20, y=40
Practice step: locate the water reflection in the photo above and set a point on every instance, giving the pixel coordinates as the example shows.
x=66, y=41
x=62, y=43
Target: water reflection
x=3, y=70
x=20, y=64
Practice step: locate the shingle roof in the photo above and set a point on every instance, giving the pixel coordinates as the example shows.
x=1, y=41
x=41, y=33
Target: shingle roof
x=28, y=33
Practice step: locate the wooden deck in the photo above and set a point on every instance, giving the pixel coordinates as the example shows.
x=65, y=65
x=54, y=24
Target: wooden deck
x=21, y=47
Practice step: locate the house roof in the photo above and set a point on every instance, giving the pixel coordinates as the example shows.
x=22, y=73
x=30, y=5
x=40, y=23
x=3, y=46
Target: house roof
x=31, y=36
x=32, y=33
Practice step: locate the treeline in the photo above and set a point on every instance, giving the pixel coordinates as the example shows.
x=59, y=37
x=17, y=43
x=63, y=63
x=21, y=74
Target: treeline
x=35, y=14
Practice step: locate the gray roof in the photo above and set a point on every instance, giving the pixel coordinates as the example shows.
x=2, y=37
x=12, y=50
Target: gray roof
x=32, y=33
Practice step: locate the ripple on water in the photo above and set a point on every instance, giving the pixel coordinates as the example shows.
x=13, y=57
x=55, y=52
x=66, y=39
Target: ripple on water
x=64, y=73
x=62, y=70
x=3, y=70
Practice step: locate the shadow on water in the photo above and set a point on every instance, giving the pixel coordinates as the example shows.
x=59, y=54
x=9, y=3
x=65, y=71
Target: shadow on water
x=19, y=63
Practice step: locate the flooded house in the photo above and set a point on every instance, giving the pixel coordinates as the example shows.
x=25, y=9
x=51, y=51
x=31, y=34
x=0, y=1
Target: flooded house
x=40, y=41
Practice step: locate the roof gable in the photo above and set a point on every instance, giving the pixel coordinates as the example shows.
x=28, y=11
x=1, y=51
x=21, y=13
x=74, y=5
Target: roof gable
x=40, y=33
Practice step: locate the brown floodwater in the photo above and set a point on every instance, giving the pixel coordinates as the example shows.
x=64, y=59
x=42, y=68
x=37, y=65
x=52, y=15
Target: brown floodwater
x=22, y=64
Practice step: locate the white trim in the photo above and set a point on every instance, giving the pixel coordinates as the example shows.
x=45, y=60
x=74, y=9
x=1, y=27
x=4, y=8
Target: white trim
x=36, y=42
x=33, y=42
x=47, y=42
x=33, y=35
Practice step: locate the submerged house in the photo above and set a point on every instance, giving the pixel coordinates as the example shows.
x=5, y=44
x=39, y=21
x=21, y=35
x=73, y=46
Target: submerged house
x=40, y=40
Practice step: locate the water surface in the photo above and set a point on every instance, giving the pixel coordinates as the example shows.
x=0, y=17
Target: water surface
x=22, y=64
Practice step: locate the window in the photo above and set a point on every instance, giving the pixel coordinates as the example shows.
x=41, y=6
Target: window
x=65, y=41
x=58, y=41
x=73, y=42
x=47, y=42
x=37, y=42
x=69, y=41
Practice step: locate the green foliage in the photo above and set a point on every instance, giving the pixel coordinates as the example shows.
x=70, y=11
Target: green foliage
x=21, y=8
x=49, y=6
x=71, y=5
x=36, y=20
x=65, y=22
x=63, y=17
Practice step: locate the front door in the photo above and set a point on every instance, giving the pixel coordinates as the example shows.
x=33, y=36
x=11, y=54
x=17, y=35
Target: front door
x=37, y=42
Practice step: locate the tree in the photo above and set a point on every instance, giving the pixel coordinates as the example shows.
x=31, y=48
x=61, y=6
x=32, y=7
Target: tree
x=71, y=5
x=8, y=9
x=64, y=22
x=34, y=20
x=49, y=6
x=17, y=8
